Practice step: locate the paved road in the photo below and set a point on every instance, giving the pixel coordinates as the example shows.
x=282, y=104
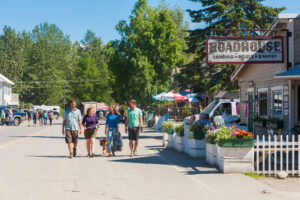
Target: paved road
x=34, y=166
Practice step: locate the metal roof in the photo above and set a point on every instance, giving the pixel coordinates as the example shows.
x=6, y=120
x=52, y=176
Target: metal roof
x=292, y=73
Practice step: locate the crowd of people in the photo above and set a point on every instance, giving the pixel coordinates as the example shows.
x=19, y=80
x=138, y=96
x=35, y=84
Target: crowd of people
x=39, y=117
x=73, y=123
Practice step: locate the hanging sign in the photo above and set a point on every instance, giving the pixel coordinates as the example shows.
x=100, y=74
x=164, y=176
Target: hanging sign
x=241, y=50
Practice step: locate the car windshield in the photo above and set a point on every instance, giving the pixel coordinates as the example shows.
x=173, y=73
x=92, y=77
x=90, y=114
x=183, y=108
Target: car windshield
x=210, y=107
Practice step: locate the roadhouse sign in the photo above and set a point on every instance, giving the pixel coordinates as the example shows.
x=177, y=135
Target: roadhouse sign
x=239, y=50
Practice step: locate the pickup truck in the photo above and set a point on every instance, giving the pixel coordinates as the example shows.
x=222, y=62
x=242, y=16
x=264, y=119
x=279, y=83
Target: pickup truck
x=18, y=116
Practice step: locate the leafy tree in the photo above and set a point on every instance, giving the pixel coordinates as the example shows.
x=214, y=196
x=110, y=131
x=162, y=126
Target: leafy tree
x=86, y=70
x=220, y=14
x=50, y=60
x=93, y=45
x=12, y=61
x=151, y=44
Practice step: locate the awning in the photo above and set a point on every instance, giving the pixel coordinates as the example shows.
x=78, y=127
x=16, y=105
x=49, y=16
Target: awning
x=293, y=73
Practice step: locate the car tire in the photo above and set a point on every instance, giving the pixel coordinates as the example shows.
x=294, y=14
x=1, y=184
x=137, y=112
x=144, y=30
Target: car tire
x=17, y=121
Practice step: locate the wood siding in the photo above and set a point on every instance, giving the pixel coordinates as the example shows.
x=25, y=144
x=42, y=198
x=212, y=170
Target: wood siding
x=297, y=41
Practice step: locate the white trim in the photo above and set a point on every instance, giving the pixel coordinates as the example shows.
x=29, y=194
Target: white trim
x=277, y=88
x=262, y=90
x=250, y=89
x=274, y=89
x=287, y=77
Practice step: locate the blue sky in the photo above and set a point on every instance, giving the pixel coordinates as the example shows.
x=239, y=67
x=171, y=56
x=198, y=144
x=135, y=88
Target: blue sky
x=75, y=17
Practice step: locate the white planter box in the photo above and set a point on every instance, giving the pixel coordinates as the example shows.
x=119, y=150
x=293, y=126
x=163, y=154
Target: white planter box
x=180, y=144
x=234, y=159
x=170, y=141
x=211, y=154
x=197, y=148
x=174, y=141
x=165, y=139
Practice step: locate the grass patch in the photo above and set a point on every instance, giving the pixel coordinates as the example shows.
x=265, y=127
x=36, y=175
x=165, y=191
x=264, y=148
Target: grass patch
x=254, y=175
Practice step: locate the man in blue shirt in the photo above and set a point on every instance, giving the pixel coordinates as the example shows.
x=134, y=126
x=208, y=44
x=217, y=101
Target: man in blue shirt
x=71, y=126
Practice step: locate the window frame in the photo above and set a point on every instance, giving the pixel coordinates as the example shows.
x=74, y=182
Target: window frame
x=276, y=89
x=259, y=91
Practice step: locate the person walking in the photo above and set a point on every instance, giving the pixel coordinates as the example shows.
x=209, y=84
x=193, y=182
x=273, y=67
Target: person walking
x=71, y=126
x=45, y=117
x=112, y=131
x=3, y=117
x=50, y=116
x=90, y=123
x=134, y=124
x=10, y=116
x=29, y=116
x=35, y=117
x=41, y=115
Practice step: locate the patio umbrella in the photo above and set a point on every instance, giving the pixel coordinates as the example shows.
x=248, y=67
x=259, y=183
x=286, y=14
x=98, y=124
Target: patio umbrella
x=168, y=96
x=179, y=97
x=158, y=97
x=193, y=100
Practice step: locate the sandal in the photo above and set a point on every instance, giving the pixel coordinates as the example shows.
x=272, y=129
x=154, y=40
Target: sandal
x=71, y=155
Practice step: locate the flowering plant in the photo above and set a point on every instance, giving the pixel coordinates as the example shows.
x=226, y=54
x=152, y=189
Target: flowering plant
x=168, y=127
x=211, y=135
x=179, y=128
x=238, y=133
x=224, y=134
x=199, y=130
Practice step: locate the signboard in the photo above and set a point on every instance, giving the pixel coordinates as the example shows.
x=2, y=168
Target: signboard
x=241, y=50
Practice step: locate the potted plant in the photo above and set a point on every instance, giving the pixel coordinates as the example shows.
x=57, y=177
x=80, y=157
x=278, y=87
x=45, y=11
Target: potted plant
x=168, y=129
x=196, y=143
x=179, y=130
x=211, y=147
x=259, y=121
x=234, y=150
x=180, y=140
x=275, y=123
x=197, y=131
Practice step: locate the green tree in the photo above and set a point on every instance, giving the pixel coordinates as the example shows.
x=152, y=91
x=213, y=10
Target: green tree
x=220, y=14
x=151, y=44
x=12, y=61
x=98, y=51
x=50, y=60
x=86, y=69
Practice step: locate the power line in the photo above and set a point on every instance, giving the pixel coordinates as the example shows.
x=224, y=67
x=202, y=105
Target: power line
x=62, y=81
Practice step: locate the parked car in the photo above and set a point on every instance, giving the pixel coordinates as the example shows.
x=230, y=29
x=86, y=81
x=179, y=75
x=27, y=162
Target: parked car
x=18, y=116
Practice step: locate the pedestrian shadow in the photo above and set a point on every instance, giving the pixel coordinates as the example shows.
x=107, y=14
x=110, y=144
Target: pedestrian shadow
x=171, y=157
x=44, y=137
x=48, y=156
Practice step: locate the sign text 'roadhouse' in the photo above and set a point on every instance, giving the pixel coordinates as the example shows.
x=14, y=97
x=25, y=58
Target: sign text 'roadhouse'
x=238, y=50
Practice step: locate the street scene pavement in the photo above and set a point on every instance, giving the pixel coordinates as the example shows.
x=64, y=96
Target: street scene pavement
x=35, y=165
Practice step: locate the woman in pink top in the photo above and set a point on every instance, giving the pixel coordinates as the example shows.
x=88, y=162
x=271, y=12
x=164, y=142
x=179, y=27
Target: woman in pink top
x=10, y=115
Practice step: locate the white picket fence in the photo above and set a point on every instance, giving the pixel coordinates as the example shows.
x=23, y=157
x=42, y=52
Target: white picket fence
x=273, y=154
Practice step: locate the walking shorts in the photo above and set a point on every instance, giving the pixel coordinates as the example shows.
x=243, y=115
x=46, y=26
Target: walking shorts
x=71, y=136
x=90, y=133
x=133, y=133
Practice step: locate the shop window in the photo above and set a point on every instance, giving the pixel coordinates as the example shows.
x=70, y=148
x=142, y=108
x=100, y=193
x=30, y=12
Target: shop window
x=263, y=103
x=277, y=102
